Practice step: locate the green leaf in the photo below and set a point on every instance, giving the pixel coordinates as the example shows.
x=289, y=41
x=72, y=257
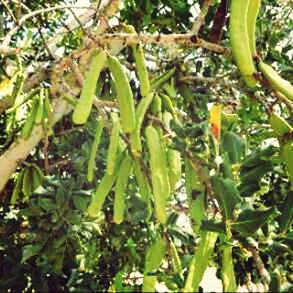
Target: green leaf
x=17, y=188
x=118, y=280
x=80, y=202
x=30, y=250
x=259, y=156
x=46, y=203
x=254, y=174
x=213, y=226
x=227, y=195
x=249, y=221
x=234, y=145
x=285, y=220
x=155, y=255
x=27, y=183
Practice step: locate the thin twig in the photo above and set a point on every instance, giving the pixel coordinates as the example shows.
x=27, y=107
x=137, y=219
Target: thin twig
x=101, y=104
x=58, y=164
x=259, y=264
x=9, y=11
x=161, y=124
x=32, y=14
x=212, y=80
x=77, y=19
x=44, y=42
x=283, y=99
x=67, y=131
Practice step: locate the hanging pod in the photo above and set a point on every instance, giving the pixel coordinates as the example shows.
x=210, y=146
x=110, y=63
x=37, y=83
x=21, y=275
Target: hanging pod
x=276, y=81
x=159, y=172
x=240, y=42
x=114, y=144
x=120, y=189
x=94, y=149
x=84, y=104
x=124, y=94
x=140, y=62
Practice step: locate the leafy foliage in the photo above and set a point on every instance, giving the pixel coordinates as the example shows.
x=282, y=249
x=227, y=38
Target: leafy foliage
x=229, y=184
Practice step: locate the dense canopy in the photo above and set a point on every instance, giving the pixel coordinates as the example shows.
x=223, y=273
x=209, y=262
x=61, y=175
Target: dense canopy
x=146, y=145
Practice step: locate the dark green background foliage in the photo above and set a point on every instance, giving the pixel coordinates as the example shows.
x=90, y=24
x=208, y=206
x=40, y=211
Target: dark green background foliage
x=48, y=244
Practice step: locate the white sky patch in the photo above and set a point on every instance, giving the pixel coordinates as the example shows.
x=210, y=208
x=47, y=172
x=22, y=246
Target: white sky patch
x=194, y=10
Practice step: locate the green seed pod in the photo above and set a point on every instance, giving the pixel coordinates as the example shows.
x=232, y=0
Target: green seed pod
x=103, y=189
x=156, y=106
x=93, y=153
x=175, y=258
x=159, y=172
x=239, y=39
x=174, y=165
x=121, y=183
x=114, y=143
x=167, y=117
x=167, y=104
x=135, y=137
x=84, y=105
x=276, y=81
x=195, y=196
x=158, y=81
x=200, y=261
x=227, y=272
x=124, y=95
x=170, y=89
x=30, y=120
x=141, y=181
x=252, y=13
x=140, y=62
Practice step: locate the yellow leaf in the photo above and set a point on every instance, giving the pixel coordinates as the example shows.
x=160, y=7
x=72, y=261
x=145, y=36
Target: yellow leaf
x=215, y=120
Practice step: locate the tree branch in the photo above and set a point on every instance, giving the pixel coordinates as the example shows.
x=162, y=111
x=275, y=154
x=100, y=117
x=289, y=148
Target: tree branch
x=200, y=19
x=210, y=80
x=219, y=22
x=259, y=264
x=187, y=40
x=5, y=50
